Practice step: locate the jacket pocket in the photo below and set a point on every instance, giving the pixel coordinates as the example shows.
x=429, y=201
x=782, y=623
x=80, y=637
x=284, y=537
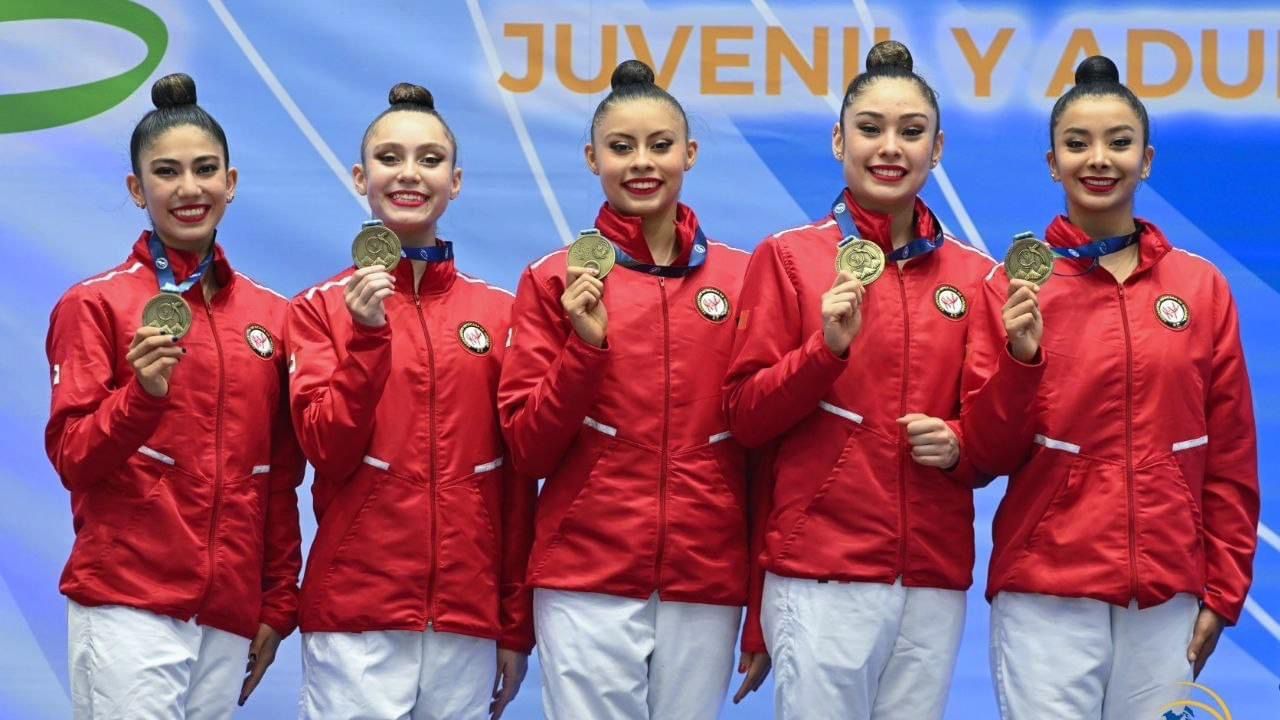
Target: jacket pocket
x=374, y=550
x=240, y=536
x=1170, y=540
x=158, y=550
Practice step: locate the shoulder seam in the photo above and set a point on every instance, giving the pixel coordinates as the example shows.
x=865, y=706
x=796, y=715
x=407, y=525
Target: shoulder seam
x=809, y=226
x=137, y=265
x=260, y=286
x=310, y=292
x=478, y=281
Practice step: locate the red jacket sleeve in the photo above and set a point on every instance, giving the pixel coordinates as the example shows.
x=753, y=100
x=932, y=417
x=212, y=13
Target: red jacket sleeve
x=760, y=499
x=776, y=377
x=282, y=551
x=334, y=401
x=94, y=424
x=997, y=422
x=516, y=597
x=1230, y=501
x=550, y=378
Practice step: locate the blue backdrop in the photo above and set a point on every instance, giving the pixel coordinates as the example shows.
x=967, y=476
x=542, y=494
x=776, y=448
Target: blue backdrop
x=295, y=84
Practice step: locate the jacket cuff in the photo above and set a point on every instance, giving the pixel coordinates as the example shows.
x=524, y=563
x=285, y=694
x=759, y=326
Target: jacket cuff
x=1230, y=611
x=284, y=623
x=824, y=363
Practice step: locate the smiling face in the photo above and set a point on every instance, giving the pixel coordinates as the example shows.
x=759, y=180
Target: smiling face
x=408, y=174
x=888, y=144
x=184, y=185
x=1098, y=155
x=641, y=151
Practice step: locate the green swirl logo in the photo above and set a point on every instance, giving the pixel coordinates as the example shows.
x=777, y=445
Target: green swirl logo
x=21, y=112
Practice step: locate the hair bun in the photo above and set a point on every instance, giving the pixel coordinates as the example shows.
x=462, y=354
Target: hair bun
x=410, y=94
x=631, y=72
x=889, y=55
x=1097, y=69
x=173, y=91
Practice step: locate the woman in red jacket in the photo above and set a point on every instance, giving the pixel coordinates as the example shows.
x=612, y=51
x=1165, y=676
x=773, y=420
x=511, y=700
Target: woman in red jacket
x=1125, y=540
x=640, y=555
x=854, y=381
x=414, y=584
x=169, y=426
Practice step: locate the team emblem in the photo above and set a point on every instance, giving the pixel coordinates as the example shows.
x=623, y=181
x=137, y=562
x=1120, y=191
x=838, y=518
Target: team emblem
x=260, y=341
x=713, y=304
x=1173, y=312
x=951, y=302
x=474, y=338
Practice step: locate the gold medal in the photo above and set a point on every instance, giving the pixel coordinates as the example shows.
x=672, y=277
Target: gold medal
x=376, y=245
x=1029, y=258
x=860, y=258
x=169, y=312
x=592, y=250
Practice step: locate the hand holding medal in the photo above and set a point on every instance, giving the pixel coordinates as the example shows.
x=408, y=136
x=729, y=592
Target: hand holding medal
x=842, y=312
x=153, y=355
x=1029, y=265
x=591, y=257
x=376, y=252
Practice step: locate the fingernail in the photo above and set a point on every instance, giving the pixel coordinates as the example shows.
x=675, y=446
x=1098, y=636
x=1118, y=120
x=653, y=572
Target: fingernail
x=173, y=338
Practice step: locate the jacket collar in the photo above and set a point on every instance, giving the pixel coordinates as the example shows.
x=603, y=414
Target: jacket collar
x=628, y=232
x=1152, y=244
x=876, y=226
x=437, y=278
x=183, y=262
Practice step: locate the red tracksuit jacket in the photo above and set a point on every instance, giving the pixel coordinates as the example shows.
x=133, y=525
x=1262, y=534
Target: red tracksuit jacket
x=184, y=505
x=1134, y=475
x=421, y=521
x=645, y=488
x=844, y=500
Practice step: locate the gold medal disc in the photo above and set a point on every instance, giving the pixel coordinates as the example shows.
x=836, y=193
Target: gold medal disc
x=862, y=259
x=1029, y=259
x=376, y=245
x=592, y=250
x=169, y=312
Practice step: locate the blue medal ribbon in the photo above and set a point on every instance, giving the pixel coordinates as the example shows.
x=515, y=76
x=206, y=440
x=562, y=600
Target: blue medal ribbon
x=849, y=233
x=432, y=253
x=164, y=268
x=1098, y=248
x=696, y=259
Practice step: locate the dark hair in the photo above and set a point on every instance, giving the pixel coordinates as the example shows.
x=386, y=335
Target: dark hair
x=889, y=58
x=407, y=97
x=633, y=79
x=175, y=99
x=1097, y=76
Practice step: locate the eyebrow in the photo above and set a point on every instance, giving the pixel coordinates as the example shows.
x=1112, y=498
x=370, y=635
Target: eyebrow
x=880, y=116
x=1110, y=131
x=172, y=161
x=629, y=136
x=389, y=145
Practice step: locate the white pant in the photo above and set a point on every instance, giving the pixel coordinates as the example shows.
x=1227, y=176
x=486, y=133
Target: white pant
x=396, y=675
x=1054, y=657
x=605, y=657
x=854, y=650
x=130, y=663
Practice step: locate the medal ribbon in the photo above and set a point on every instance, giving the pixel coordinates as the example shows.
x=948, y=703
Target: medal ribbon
x=849, y=232
x=164, y=268
x=696, y=259
x=1098, y=248
x=432, y=253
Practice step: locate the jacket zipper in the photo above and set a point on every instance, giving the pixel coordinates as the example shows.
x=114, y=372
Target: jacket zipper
x=217, y=476
x=1128, y=445
x=902, y=410
x=431, y=415
x=666, y=424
